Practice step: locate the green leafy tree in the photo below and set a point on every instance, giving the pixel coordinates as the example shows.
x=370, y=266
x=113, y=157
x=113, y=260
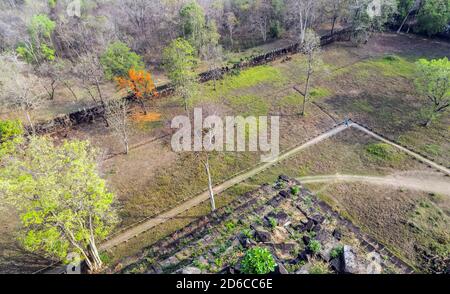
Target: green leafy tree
x=64, y=205
x=40, y=46
x=118, y=59
x=258, y=260
x=179, y=63
x=434, y=15
x=193, y=22
x=433, y=81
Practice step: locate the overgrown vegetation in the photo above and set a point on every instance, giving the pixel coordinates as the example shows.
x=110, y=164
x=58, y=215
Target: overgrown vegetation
x=258, y=260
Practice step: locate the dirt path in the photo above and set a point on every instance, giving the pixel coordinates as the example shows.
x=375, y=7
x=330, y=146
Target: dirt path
x=414, y=183
x=152, y=222
x=410, y=182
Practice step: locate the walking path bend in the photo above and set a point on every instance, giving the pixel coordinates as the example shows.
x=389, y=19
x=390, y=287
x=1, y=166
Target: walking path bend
x=150, y=223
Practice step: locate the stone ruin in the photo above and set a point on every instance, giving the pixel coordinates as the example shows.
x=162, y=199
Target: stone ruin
x=286, y=219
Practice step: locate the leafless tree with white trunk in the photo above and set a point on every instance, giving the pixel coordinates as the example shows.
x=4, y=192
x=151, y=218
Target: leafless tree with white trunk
x=116, y=112
x=311, y=48
x=231, y=23
x=303, y=13
x=20, y=88
x=213, y=56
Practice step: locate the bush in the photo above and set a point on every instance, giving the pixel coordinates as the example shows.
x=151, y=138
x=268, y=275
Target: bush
x=118, y=60
x=273, y=222
x=314, y=246
x=383, y=151
x=319, y=268
x=258, y=260
x=337, y=251
x=295, y=190
x=11, y=132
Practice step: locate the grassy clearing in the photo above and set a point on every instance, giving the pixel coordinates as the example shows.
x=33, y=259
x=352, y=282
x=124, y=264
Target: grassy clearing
x=248, y=105
x=390, y=66
x=431, y=225
x=318, y=93
x=182, y=180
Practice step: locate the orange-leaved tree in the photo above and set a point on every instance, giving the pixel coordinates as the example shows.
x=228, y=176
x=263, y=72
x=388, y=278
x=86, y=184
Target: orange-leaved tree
x=140, y=83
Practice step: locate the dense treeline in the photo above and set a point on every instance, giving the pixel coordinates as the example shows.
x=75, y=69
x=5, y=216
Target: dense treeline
x=148, y=26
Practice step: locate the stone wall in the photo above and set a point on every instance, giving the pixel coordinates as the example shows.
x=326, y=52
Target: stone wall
x=86, y=115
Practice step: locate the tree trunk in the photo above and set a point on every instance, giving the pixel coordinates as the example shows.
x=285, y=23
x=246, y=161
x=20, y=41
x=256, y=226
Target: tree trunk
x=305, y=95
x=144, y=109
x=210, y=187
x=333, y=25
x=403, y=22
x=125, y=141
x=71, y=90
x=27, y=114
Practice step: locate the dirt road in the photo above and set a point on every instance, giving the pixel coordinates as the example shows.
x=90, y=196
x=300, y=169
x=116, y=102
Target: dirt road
x=432, y=185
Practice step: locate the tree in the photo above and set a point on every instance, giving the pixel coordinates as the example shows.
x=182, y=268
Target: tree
x=140, y=83
x=231, y=23
x=404, y=9
x=193, y=23
x=304, y=12
x=434, y=16
x=258, y=260
x=433, y=81
x=64, y=205
x=21, y=89
x=361, y=22
x=118, y=59
x=311, y=47
x=335, y=9
x=39, y=48
x=203, y=157
x=213, y=56
x=179, y=63
x=89, y=70
x=117, y=115
x=50, y=70
x=261, y=16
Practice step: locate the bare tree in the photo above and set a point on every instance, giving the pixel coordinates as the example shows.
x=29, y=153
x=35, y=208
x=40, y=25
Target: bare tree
x=204, y=156
x=261, y=16
x=335, y=9
x=116, y=112
x=90, y=71
x=21, y=89
x=213, y=56
x=303, y=13
x=310, y=47
x=231, y=23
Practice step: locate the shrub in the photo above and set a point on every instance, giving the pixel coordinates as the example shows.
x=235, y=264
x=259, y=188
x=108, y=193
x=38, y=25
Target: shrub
x=258, y=260
x=273, y=222
x=383, y=151
x=230, y=226
x=11, y=132
x=314, y=246
x=295, y=190
x=337, y=251
x=118, y=60
x=319, y=268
